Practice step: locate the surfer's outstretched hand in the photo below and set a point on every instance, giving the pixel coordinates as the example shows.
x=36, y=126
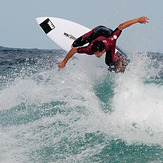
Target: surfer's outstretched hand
x=68, y=56
x=61, y=65
x=143, y=20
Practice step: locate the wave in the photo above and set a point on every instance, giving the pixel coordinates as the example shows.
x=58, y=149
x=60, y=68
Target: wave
x=81, y=113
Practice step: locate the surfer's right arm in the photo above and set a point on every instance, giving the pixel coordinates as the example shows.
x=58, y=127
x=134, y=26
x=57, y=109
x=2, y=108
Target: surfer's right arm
x=62, y=64
x=75, y=48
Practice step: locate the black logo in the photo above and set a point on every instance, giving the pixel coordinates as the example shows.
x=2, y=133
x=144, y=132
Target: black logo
x=47, y=25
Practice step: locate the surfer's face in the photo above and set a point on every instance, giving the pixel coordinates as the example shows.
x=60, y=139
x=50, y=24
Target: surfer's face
x=99, y=54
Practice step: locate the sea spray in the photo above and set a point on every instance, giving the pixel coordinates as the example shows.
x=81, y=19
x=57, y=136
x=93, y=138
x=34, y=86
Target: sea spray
x=82, y=113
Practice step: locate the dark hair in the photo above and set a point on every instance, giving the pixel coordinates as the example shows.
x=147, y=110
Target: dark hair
x=98, y=46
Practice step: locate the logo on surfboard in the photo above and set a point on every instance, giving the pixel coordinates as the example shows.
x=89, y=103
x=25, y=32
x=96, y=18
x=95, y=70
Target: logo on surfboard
x=47, y=25
x=69, y=36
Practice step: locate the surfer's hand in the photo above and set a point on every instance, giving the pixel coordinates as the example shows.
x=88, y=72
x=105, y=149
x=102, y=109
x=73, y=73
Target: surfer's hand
x=143, y=20
x=68, y=56
x=61, y=65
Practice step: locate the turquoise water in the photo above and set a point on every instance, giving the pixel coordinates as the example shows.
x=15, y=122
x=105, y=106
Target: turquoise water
x=82, y=113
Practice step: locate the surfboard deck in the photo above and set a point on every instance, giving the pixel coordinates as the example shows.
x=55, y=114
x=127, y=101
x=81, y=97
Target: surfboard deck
x=64, y=32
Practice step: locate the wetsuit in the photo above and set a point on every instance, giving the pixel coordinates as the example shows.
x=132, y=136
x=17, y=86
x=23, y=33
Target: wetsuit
x=104, y=34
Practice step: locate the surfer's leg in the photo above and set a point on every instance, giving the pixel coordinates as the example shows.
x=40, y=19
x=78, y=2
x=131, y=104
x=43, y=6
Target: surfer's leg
x=121, y=65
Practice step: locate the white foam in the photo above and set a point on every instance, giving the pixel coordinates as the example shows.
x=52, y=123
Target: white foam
x=138, y=107
x=136, y=117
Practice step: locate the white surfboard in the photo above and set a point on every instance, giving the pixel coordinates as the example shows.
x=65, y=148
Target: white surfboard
x=64, y=32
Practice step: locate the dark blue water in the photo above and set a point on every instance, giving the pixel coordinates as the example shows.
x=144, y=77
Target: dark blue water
x=82, y=113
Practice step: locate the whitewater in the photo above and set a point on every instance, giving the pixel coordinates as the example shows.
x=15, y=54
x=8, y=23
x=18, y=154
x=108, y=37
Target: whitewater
x=82, y=113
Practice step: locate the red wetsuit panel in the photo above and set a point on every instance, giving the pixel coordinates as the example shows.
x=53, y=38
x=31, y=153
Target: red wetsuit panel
x=87, y=50
x=110, y=43
x=112, y=39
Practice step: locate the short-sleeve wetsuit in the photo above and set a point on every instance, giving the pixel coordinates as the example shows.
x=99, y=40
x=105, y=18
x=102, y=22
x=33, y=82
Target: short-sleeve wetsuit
x=104, y=34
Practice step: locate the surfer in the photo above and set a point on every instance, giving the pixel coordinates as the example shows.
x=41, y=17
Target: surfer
x=100, y=40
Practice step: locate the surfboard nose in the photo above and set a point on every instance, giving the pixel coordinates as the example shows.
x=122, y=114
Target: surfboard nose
x=38, y=20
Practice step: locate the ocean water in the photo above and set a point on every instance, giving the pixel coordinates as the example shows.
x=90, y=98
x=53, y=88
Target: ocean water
x=81, y=114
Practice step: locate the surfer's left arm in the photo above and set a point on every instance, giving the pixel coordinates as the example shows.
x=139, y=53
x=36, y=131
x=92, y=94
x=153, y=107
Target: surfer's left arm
x=142, y=20
x=62, y=64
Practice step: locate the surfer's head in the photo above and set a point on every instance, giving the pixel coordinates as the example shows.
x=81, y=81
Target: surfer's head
x=98, y=48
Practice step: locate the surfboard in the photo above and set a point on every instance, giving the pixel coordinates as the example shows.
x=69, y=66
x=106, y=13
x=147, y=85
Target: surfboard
x=64, y=32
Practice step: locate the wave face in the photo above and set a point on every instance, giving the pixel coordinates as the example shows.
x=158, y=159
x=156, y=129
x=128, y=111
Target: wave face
x=82, y=113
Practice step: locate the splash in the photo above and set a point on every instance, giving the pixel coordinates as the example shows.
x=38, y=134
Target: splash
x=80, y=111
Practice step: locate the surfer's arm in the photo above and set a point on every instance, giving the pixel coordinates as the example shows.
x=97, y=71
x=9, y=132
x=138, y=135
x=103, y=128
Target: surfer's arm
x=62, y=64
x=142, y=20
